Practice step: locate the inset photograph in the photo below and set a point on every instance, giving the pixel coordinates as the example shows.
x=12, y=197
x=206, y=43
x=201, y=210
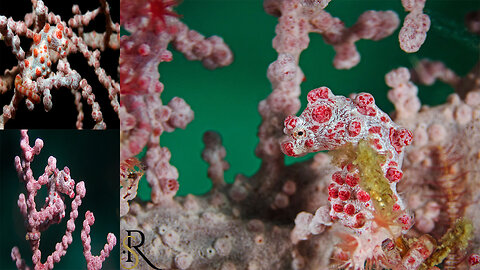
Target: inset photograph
x=59, y=195
x=59, y=64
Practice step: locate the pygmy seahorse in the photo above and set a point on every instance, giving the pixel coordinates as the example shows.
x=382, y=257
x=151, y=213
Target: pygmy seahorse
x=362, y=195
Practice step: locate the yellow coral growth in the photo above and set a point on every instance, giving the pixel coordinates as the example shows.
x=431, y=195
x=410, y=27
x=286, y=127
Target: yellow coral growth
x=344, y=155
x=456, y=237
x=372, y=178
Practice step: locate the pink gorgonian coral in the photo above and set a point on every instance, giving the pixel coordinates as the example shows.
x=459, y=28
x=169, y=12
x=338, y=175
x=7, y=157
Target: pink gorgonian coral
x=153, y=25
x=59, y=184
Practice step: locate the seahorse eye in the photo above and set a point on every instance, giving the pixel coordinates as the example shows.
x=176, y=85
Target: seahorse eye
x=299, y=133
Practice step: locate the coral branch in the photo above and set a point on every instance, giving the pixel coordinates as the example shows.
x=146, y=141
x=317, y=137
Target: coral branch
x=214, y=154
x=404, y=93
x=415, y=26
x=95, y=262
x=467, y=87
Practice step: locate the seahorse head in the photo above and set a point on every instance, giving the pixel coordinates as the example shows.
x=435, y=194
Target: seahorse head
x=302, y=131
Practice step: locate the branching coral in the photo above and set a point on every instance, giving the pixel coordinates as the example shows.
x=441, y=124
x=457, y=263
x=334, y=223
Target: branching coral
x=143, y=117
x=442, y=167
x=59, y=183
